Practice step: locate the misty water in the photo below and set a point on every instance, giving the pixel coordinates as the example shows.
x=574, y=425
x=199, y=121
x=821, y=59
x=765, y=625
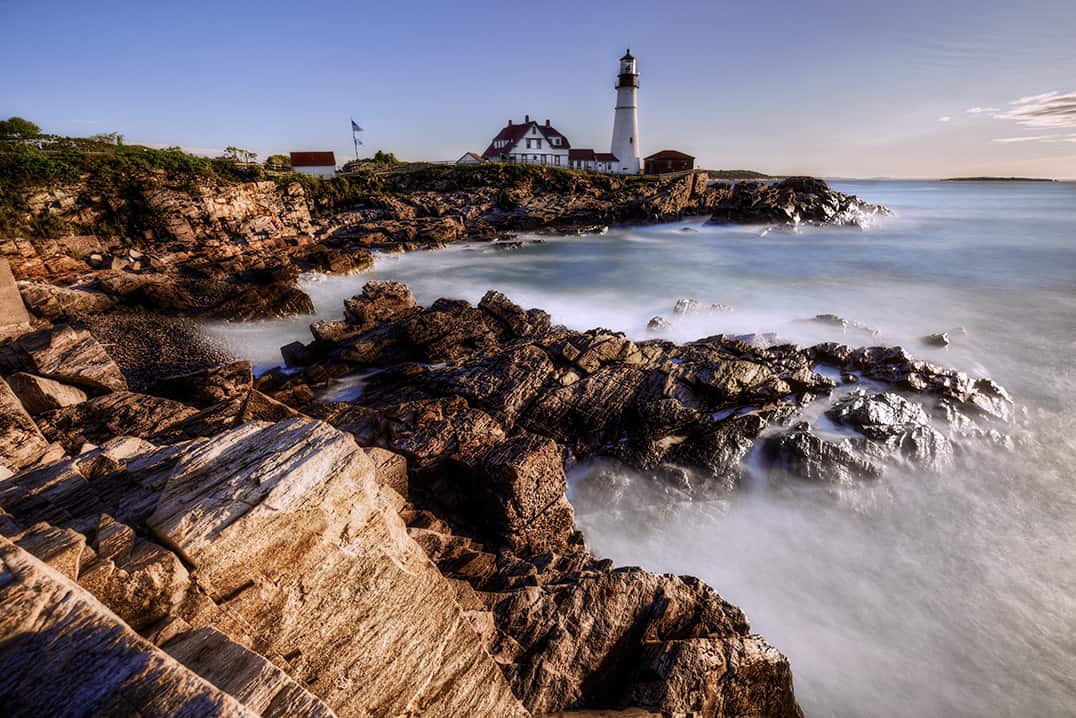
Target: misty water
x=919, y=594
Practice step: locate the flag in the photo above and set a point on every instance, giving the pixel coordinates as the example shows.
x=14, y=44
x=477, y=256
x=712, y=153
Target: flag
x=355, y=127
x=358, y=141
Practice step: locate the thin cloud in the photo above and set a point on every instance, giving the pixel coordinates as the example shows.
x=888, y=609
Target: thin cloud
x=946, y=118
x=1035, y=138
x=981, y=110
x=1049, y=110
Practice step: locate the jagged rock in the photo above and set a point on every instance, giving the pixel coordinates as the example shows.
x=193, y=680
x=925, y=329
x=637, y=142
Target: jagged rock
x=39, y=394
x=268, y=301
x=296, y=354
x=937, y=340
x=519, y=323
x=62, y=653
x=658, y=323
x=450, y=330
x=687, y=306
x=793, y=201
x=390, y=469
x=594, y=638
x=893, y=365
x=901, y=426
x=121, y=413
x=242, y=673
x=140, y=581
x=207, y=387
x=285, y=527
x=838, y=321
x=62, y=549
x=21, y=441
x=521, y=493
x=68, y=355
x=379, y=301
x=56, y=303
x=804, y=454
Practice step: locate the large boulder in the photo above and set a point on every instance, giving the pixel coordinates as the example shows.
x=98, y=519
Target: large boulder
x=64, y=654
x=521, y=493
x=288, y=532
x=39, y=394
x=68, y=355
x=206, y=387
x=379, y=301
x=21, y=441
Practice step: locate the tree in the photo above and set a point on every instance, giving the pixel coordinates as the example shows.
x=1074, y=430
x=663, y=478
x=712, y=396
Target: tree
x=109, y=138
x=278, y=161
x=19, y=129
x=387, y=158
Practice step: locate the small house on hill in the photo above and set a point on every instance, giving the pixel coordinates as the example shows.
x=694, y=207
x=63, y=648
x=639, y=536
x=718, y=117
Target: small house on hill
x=667, y=161
x=529, y=143
x=470, y=158
x=316, y=164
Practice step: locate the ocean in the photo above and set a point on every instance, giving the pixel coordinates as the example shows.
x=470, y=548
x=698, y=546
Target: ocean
x=916, y=595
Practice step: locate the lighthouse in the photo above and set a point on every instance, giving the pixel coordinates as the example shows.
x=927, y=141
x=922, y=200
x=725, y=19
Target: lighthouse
x=625, y=145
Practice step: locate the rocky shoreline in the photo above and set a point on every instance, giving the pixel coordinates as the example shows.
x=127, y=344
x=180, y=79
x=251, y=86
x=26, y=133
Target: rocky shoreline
x=235, y=250
x=204, y=542
x=229, y=536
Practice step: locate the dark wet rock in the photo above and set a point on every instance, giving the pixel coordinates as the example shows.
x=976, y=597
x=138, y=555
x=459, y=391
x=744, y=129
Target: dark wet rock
x=845, y=324
x=981, y=397
x=937, y=340
x=571, y=631
x=207, y=387
x=658, y=324
x=804, y=454
x=522, y=494
x=896, y=427
x=269, y=301
x=795, y=200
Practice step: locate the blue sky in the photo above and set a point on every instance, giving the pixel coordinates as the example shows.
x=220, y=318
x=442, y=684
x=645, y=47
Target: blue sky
x=835, y=88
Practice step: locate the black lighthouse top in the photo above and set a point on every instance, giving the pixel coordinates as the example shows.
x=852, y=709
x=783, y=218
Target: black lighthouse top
x=628, y=77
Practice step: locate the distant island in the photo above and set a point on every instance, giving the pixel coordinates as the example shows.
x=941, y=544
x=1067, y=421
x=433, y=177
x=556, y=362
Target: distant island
x=738, y=174
x=999, y=179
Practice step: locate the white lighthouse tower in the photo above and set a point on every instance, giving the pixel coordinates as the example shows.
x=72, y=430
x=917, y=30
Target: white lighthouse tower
x=626, y=122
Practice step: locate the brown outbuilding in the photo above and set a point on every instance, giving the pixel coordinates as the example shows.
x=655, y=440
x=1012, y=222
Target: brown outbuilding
x=667, y=161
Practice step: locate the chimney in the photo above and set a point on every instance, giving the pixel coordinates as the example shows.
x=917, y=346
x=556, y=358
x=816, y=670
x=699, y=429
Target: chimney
x=509, y=123
x=526, y=119
x=547, y=122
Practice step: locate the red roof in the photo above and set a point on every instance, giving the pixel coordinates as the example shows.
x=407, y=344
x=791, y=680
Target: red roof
x=313, y=159
x=580, y=155
x=513, y=133
x=605, y=157
x=474, y=155
x=669, y=155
